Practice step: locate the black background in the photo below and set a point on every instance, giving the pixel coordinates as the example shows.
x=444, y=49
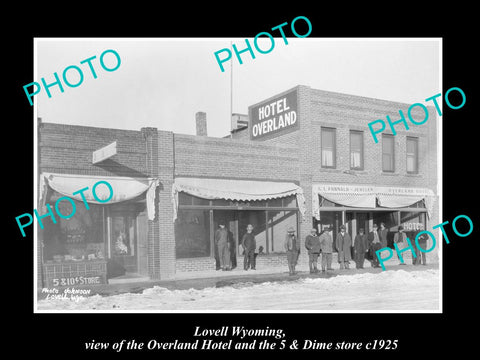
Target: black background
x=64, y=335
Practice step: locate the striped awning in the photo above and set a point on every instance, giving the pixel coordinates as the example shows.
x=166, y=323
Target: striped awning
x=237, y=190
x=366, y=196
x=123, y=188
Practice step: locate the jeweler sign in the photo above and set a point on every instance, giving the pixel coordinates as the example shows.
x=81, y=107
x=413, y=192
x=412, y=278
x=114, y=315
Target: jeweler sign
x=274, y=117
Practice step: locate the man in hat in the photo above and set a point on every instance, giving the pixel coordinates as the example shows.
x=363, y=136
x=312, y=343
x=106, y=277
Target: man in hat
x=326, y=247
x=374, y=244
x=382, y=234
x=292, y=247
x=249, y=244
x=360, y=245
x=422, y=243
x=400, y=238
x=221, y=240
x=344, y=244
x=312, y=243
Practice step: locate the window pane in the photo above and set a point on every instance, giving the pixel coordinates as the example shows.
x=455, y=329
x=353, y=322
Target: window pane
x=387, y=153
x=192, y=233
x=328, y=147
x=412, y=155
x=356, y=141
x=327, y=138
x=74, y=238
x=327, y=158
x=278, y=224
x=411, y=146
x=355, y=160
x=387, y=162
x=411, y=164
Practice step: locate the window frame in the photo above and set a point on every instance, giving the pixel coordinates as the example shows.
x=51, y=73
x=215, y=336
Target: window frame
x=334, y=147
x=392, y=138
x=360, y=133
x=415, y=155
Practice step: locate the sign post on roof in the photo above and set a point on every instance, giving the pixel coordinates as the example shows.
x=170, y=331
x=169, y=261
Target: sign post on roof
x=104, y=153
x=274, y=117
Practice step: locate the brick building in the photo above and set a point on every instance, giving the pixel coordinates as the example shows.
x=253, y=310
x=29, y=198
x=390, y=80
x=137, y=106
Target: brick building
x=305, y=159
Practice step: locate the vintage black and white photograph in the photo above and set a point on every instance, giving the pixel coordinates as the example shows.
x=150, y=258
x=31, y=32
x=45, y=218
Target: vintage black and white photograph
x=275, y=174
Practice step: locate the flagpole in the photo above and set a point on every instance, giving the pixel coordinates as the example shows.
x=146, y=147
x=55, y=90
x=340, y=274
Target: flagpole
x=231, y=92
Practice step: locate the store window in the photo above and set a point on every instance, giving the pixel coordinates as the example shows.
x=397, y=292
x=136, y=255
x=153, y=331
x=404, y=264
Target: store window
x=123, y=235
x=412, y=155
x=192, y=233
x=278, y=224
x=328, y=147
x=356, y=150
x=80, y=237
x=388, y=154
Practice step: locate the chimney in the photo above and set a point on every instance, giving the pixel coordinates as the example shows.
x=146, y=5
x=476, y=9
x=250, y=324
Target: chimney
x=201, y=120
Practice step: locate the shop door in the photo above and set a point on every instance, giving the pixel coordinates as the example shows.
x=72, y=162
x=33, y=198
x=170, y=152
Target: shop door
x=123, y=241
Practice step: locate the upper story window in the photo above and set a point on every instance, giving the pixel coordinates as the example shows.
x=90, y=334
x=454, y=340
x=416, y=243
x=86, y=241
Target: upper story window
x=388, y=153
x=356, y=150
x=412, y=155
x=328, y=147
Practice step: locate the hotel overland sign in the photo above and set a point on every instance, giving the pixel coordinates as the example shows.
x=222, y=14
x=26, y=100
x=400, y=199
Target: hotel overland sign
x=274, y=117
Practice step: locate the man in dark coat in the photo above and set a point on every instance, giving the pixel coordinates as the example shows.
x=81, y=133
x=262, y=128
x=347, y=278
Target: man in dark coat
x=382, y=234
x=326, y=247
x=344, y=244
x=292, y=247
x=249, y=245
x=374, y=244
x=400, y=239
x=422, y=242
x=312, y=243
x=361, y=246
x=221, y=240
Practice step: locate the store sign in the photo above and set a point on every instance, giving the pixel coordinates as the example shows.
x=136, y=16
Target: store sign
x=412, y=226
x=104, y=153
x=341, y=189
x=274, y=117
x=76, y=280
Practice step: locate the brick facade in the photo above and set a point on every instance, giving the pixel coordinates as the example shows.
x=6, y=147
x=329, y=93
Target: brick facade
x=293, y=157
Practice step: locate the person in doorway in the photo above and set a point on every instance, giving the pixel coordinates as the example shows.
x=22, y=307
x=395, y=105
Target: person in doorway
x=292, y=247
x=249, y=245
x=374, y=244
x=400, y=238
x=382, y=234
x=421, y=256
x=221, y=240
x=232, y=249
x=361, y=246
x=344, y=244
x=326, y=248
x=312, y=243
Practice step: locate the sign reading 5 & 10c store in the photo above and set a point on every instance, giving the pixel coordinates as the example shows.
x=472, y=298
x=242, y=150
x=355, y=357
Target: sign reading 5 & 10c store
x=274, y=117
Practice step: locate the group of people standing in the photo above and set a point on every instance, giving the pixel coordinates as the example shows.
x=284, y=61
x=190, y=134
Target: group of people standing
x=364, y=246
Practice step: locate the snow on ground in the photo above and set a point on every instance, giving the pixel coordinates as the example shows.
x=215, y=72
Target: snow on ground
x=386, y=291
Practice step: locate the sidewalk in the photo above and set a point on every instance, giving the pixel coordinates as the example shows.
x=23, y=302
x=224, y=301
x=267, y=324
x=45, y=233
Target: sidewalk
x=238, y=277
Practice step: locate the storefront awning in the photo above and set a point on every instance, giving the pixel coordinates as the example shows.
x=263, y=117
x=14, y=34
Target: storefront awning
x=124, y=188
x=364, y=196
x=237, y=190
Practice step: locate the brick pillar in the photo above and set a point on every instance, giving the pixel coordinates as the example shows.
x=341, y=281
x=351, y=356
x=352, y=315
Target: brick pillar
x=306, y=159
x=161, y=239
x=151, y=147
x=166, y=166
